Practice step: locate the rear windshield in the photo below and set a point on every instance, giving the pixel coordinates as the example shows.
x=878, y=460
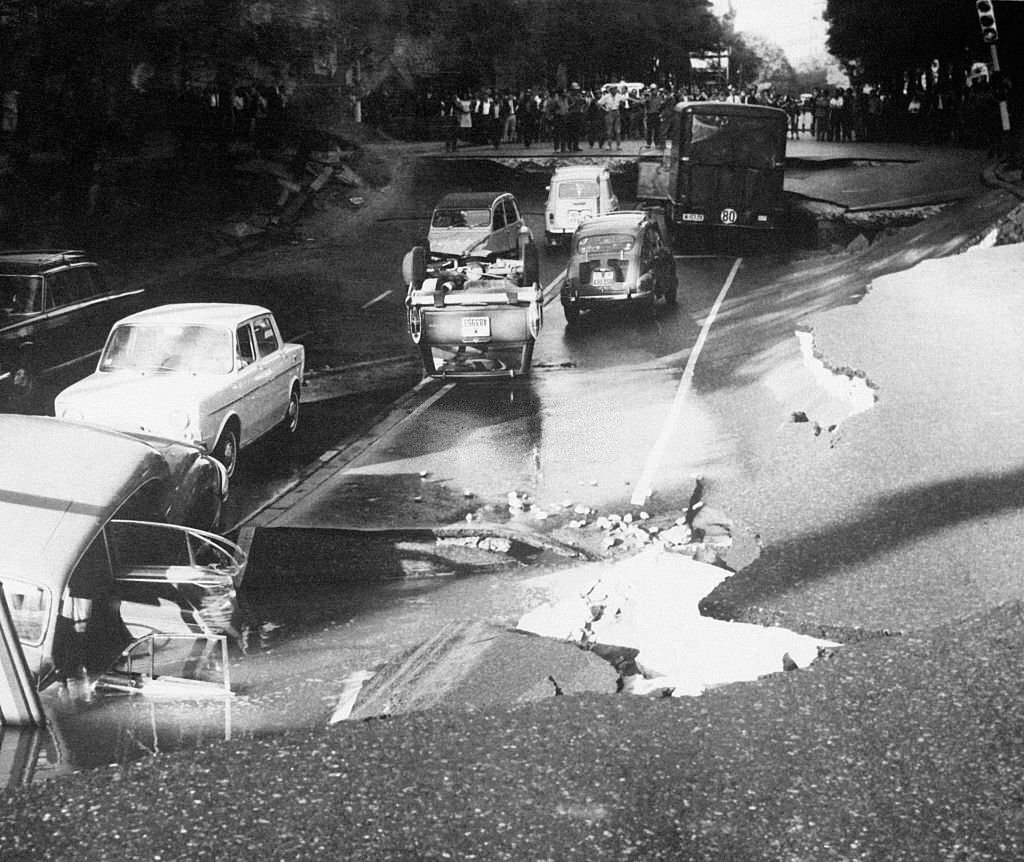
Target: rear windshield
x=577, y=189
x=461, y=218
x=605, y=243
x=727, y=139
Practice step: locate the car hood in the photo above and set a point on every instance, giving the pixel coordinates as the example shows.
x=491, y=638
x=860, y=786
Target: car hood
x=138, y=401
x=459, y=241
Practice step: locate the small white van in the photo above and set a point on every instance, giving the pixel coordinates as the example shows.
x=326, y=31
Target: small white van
x=575, y=194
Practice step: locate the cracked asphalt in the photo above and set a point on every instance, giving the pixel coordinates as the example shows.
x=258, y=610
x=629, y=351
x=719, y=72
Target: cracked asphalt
x=900, y=530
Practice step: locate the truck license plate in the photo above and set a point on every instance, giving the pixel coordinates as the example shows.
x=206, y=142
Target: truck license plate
x=692, y=217
x=476, y=327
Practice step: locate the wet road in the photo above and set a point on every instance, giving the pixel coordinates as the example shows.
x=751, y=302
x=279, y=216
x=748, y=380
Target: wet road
x=588, y=429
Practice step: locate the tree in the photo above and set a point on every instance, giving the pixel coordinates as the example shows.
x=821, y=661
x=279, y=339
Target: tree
x=879, y=41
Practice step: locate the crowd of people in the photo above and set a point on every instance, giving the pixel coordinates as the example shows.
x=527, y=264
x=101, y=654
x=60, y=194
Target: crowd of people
x=570, y=117
x=564, y=118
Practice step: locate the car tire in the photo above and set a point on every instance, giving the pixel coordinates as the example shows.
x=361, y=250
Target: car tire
x=290, y=424
x=226, y=450
x=414, y=266
x=572, y=313
x=531, y=264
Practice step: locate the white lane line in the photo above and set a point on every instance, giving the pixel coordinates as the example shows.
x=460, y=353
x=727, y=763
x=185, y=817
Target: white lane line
x=426, y=405
x=386, y=293
x=644, y=487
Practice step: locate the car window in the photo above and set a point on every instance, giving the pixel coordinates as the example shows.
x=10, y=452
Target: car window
x=577, y=189
x=69, y=285
x=246, y=349
x=20, y=294
x=29, y=606
x=499, y=216
x=266, y=337
x=136, y=545
x=511, y=211
x=145, y=504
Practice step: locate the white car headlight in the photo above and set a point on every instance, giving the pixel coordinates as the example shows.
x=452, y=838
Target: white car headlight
x=179, y=420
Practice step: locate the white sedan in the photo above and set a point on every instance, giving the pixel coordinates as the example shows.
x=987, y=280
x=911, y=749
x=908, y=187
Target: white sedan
x=215, y=374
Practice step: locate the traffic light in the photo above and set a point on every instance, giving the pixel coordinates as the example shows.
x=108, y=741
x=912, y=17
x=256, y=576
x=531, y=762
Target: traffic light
x=987, y=19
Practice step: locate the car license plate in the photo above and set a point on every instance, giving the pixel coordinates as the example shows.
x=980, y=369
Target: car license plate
x=476, y=327
x=692, y=216
x=602, y=277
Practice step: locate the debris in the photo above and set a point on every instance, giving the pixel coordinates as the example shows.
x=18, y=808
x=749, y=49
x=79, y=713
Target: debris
x=858, y=243
x=348, y=176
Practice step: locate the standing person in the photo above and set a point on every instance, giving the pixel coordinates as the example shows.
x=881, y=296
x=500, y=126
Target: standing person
x=652, y=111
x=609, y=103
x=820, y=115
x=835, y=114
x=595, y=122
x=508, y=117
x=462, y=108
x=529, y=118
x=575, y=120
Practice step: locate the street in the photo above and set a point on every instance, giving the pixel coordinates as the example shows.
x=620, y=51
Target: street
x=619, y=417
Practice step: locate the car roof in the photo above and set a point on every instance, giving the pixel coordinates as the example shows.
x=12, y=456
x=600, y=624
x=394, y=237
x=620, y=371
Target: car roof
x=741, y=108
x=623, y=220
x=578, y=172
x=469, y=200
x=37, y=261
x=203, y=313
x=52, y=506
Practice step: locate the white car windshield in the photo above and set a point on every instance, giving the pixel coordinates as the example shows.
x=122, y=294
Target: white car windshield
x=189, y=349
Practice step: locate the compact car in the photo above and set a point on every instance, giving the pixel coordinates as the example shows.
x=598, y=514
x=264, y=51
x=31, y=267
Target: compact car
x=75, y=523
x=56, y=309
x=218, y=375
x=477, y=224
x=576, y=193
x=618, y=260
x=474, y=320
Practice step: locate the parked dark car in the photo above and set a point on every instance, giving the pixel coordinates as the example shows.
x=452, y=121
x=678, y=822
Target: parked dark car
x=55, y=312
x=618, y=260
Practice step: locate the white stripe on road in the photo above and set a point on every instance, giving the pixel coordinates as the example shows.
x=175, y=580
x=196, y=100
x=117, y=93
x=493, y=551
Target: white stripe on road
x=376, y=299
x=433, y=399
x=645, y=486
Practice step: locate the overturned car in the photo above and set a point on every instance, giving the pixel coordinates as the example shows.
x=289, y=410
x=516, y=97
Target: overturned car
x=474, y=317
